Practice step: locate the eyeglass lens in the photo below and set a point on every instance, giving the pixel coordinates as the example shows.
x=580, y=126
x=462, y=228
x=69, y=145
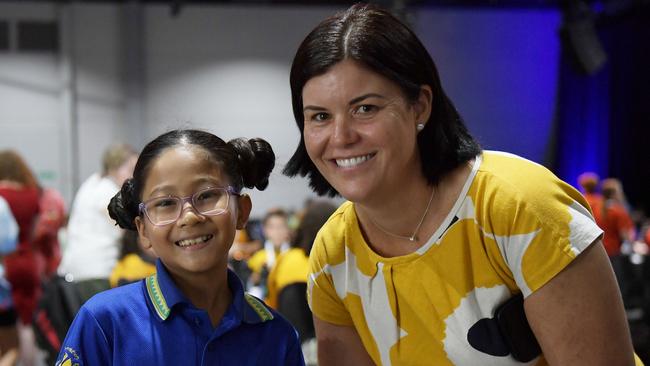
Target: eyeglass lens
x=164, y=210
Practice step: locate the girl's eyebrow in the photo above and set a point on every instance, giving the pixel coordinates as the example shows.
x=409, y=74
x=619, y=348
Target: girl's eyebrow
x=164, y=188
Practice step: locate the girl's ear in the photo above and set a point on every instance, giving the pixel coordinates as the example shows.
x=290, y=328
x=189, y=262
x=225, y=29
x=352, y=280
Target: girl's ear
x=244, y=210
x=142, y=235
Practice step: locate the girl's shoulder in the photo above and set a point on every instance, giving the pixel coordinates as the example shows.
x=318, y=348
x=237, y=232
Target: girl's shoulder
x=117, y=300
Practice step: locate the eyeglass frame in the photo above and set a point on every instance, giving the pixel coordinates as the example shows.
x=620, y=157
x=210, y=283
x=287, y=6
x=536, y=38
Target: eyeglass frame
x=142, y=206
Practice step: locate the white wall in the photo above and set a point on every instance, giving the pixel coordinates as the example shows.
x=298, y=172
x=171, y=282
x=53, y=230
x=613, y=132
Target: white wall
x=43, y=95
x=30, y=107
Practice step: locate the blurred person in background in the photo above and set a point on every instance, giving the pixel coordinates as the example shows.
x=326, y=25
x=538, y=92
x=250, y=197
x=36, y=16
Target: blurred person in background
x=51, y=219
x=135, y=263
x=242, y=249
x=93, y=239
x=614, y=218
x=287, y=281
x=275, y=226
x=8, y=332
x=588, y=182
x=619, y=231
x=24, y=268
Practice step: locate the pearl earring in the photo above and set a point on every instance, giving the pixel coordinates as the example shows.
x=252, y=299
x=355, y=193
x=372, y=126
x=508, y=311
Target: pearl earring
x=420, y=126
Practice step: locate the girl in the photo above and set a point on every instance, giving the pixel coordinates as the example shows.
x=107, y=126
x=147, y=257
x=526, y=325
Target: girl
x=184, y=200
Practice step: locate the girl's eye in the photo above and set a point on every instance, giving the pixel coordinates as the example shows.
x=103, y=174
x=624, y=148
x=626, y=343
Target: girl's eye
x=207, y=195
x=165, y=202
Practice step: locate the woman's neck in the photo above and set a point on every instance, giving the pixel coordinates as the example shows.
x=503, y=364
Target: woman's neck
x=390, y=221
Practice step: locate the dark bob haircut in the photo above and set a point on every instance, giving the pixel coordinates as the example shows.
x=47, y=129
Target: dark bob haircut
x=379, y=41
x=248, y=163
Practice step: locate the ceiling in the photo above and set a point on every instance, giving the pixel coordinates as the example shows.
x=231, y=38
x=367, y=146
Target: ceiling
x=387, y=3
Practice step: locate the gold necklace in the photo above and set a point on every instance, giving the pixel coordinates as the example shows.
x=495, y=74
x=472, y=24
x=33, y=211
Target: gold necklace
x=412, y=238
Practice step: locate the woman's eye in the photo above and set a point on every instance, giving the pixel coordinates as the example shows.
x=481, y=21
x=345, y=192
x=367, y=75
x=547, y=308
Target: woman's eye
x=365, y=109
x=319, y=117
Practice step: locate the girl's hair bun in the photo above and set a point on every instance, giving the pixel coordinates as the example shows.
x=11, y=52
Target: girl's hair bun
x=256, y=161
x=123, y=207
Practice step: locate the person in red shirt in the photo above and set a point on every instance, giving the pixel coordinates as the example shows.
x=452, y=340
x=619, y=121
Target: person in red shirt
x=614, y=219
x=588, y=182
x=24, y=267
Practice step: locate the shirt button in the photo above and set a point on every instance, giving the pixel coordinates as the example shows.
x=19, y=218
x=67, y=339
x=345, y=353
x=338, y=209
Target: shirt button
x=197, y=321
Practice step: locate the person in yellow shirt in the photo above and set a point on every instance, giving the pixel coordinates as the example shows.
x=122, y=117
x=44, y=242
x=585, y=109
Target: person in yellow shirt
x=135, y=262
x=275, y=226
x=292, y=266
x=437, y=234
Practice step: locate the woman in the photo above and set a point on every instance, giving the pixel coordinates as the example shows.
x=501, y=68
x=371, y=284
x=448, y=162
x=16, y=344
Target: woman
x=24, y=268
x=437, y=234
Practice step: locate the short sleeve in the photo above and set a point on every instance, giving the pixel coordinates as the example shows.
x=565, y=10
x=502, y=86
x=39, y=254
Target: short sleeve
x=85, y=343
x=324, y=301
x=540, y=223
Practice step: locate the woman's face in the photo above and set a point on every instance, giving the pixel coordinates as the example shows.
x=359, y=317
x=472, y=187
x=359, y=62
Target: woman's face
x=195, y=243
x=360, y=131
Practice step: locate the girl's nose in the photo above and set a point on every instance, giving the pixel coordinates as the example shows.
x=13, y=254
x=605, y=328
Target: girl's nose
x=189, y=215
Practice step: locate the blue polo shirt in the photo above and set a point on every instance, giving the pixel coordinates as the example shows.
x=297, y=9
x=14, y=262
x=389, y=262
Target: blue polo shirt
x=151, y=322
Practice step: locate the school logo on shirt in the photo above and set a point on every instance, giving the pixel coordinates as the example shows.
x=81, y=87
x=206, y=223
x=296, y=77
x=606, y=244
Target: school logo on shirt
x=70, y=357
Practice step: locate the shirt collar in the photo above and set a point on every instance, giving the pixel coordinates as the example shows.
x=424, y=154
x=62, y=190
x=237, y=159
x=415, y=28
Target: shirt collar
x=164, y=295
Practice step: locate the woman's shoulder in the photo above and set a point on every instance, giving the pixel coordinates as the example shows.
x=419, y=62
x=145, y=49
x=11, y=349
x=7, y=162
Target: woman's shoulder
x=512, y=167
x=519, y=177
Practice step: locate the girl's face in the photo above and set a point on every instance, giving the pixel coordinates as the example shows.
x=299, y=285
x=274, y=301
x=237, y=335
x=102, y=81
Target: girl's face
x=195, y=243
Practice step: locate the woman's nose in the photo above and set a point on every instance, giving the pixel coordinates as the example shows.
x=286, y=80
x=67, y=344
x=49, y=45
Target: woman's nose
x=344, y=133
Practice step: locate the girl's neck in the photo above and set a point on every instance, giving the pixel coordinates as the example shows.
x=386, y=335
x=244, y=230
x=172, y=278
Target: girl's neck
x=208, y=292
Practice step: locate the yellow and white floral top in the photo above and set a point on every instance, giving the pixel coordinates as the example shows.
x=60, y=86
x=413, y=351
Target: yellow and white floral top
x=513, y=227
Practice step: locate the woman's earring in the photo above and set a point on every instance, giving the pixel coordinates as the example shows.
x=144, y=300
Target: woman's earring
x=420, y=127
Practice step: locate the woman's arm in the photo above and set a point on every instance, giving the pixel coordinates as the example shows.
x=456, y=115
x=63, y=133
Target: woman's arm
x=578, y=317
x=339, y=345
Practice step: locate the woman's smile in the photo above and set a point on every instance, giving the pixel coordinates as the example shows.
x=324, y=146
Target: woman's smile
x=354, y=161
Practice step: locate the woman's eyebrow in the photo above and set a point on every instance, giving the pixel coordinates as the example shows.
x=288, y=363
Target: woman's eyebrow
x=313, y=108
x=366, y=96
